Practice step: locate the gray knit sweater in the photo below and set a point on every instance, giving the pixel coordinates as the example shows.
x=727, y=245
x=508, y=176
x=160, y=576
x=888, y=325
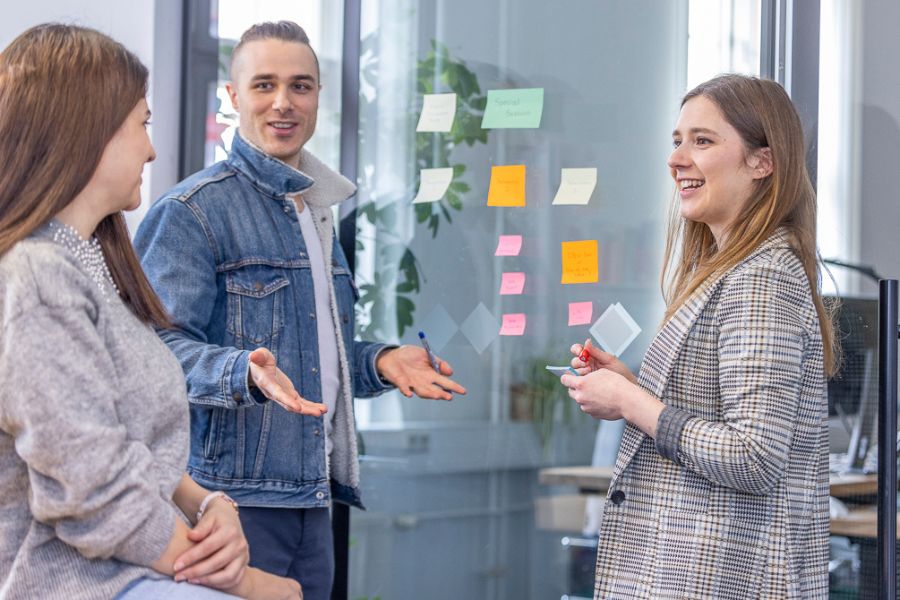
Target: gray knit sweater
x=93, y=431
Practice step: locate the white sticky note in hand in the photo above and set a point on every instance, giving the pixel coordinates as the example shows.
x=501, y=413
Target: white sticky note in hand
x=576, y=186
x=615, y=330
x=433, y=184
x=438, y=111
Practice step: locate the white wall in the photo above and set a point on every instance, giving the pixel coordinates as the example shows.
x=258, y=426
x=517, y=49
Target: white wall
x=149, y=28
x=880, y=140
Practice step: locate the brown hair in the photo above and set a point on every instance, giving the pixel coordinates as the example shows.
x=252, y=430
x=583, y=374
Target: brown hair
x=64, y=92
x=286, y=31
x=764, y=117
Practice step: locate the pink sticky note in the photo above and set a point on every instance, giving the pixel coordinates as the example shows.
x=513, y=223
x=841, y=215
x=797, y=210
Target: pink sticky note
x=512, y=284
x=513, y=324
x=509, y=245
x=580, y=313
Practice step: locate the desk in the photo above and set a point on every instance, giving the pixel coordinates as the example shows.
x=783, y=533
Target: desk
x=595, y=480
x=589, y=480
x=853, y=484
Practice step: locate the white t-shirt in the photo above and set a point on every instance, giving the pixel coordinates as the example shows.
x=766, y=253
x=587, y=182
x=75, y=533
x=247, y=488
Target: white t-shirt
x=329, y=367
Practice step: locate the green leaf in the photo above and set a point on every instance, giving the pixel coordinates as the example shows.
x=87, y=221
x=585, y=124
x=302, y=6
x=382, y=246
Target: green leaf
x=405, y=310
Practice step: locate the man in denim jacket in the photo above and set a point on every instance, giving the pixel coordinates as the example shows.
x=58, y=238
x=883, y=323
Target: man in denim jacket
x=243, y=255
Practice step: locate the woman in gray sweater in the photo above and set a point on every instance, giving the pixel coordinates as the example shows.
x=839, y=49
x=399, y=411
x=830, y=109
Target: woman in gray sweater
x=94, y=501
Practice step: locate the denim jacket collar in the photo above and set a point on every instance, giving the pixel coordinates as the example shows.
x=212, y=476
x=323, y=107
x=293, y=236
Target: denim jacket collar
x=319, y=184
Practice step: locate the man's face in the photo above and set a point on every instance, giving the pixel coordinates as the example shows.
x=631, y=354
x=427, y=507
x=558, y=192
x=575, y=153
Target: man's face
x=275, y=90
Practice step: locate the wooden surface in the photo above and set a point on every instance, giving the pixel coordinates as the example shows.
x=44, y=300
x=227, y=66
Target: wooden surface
x=586, y=479
x=861, y=522
x=596, y=479
x=852, y=484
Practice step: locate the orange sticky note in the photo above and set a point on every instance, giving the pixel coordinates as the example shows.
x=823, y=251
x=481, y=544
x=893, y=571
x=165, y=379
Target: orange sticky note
x=512, y=284
x=513, y=324
x=509, y=245
x=579, y=262
x=507, y=186
x=580, y=313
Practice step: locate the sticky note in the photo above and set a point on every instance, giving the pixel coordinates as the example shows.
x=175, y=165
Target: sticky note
x=580, y=313
x=512, y=284
x=513, y=324
x=507, y=186
x=437, y=114
x=576, y=186
x=615, y=329
x=433, y=184
x=580, y=262
x=513, y=109
x=509, y=245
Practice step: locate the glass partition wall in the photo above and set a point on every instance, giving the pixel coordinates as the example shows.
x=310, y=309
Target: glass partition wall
x=455, y=508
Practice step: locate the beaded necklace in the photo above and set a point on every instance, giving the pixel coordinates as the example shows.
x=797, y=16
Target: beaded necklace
x=88, y=252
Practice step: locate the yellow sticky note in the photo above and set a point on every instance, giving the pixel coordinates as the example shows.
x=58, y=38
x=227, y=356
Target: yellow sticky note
x=507, y=186
x=579, y=262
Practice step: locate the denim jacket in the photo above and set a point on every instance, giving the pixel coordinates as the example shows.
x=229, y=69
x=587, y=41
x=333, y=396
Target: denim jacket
x=224, y=251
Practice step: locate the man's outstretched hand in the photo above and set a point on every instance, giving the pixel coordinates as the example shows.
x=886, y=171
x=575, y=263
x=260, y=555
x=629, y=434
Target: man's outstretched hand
x=276, y=386
x=408, y=368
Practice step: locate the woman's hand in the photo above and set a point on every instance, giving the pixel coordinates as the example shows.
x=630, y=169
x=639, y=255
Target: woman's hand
x=605, y=394
x=260, y=585
x=600, y=393
x=221, y=554
x=598, y=359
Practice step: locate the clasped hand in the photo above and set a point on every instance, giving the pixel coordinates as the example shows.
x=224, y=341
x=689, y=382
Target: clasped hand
x=221, y=552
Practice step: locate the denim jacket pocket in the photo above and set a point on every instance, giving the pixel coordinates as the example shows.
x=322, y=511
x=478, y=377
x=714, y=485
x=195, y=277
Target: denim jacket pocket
x=255, y=304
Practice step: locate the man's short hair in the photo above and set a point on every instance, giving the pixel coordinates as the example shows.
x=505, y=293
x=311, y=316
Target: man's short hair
x=286, y=31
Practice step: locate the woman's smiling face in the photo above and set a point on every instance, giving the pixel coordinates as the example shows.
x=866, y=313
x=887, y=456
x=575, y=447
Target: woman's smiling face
x=711, y=167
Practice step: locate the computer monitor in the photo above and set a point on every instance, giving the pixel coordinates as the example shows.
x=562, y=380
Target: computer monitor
x=853, y=391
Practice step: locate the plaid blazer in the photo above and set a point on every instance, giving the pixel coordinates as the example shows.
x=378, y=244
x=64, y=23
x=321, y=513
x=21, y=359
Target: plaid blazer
x=731, y=500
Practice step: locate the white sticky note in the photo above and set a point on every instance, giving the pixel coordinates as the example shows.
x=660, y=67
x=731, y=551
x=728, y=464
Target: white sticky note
x=434, y=184
x=576, y=186
x=438, y=111
x=615, y=329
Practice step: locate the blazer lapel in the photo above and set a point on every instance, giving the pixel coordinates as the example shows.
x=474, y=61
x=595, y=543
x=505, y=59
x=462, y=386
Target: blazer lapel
x=666, y=346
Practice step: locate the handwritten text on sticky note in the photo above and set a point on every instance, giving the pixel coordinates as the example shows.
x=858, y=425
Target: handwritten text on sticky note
x=513, y=324
x=512, y=284
x=576, y=186
x=513, y=109
x=433, y=184
x=438, y=111
x=509, y=245
x=507, y=186
x=580, y=313
x=580, y=262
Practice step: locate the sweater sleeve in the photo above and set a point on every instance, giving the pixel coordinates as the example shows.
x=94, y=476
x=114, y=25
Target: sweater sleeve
x=88, y=481
x=762, y=339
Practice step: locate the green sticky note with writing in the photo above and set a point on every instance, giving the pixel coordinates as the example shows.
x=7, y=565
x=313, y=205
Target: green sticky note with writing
x=513, y=109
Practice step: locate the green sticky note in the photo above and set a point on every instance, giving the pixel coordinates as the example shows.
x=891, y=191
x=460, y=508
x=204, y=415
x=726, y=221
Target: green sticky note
x=513, y=109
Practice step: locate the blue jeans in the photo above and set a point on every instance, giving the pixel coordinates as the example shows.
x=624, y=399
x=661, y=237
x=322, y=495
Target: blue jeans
x=292, y=542
x=154, y=589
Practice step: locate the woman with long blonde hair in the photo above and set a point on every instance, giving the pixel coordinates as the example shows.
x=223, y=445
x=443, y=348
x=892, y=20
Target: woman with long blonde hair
x=94, y=500
x=720, y=488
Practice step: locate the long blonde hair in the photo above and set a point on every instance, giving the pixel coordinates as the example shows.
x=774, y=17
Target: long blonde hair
x=764, y=117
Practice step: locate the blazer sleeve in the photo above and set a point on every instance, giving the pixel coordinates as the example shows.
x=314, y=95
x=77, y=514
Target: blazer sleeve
x=764, y=322
x=97, y=488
